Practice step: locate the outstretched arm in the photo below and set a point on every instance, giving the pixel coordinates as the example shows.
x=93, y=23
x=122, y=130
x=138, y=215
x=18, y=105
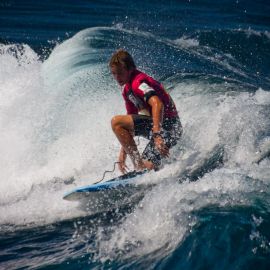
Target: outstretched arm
x=157, y=114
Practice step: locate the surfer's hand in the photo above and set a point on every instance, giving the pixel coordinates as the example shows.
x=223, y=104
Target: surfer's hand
x=122, y=161
x=122, y=166
x=161, y=146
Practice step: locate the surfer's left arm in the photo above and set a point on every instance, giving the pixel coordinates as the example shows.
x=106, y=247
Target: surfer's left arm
x=157, y=115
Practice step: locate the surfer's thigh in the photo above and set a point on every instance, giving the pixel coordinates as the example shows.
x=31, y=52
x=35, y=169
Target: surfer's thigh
x=142, y=125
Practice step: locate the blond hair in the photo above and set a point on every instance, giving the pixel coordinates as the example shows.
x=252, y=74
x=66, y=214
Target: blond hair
x=122, y=58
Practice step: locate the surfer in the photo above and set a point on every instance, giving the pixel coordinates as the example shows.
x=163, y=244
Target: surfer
x=151, y=113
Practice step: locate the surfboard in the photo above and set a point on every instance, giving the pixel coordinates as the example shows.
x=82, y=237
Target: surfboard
x=110, y=194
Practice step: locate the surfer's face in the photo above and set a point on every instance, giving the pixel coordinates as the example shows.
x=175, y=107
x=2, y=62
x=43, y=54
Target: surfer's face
x=120, y=74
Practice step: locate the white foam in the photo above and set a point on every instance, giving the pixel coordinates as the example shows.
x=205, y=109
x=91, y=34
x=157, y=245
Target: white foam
x=167, y=213
x=51, y=129
x=187, y=42
x=55, y=124
x=161, y=222
x=251, y=32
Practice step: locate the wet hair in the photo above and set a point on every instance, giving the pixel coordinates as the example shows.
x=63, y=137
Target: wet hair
x=122, y=58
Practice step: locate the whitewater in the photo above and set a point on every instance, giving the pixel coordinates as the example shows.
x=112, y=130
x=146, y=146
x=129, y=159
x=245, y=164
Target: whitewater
x=55, y=135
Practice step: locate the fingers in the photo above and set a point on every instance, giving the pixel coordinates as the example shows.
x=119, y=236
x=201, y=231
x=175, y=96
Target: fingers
x=123, y=170
x=164, y=151
x=122, y=167
x=161, y=147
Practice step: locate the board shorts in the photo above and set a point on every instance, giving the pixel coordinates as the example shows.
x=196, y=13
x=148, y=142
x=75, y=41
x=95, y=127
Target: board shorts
x=171, y=133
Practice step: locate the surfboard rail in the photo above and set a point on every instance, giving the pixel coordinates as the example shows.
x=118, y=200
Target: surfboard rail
x=117, y=183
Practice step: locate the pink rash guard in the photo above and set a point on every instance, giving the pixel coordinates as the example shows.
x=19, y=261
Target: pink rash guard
x=140, y=89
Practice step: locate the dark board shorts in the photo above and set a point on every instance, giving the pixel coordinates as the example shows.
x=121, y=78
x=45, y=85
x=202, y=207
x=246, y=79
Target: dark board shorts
x=171, y=133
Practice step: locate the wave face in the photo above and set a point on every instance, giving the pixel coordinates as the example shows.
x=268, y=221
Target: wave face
x=210, y=206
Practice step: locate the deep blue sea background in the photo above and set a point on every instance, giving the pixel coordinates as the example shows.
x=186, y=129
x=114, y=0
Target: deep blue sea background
x=210, y=206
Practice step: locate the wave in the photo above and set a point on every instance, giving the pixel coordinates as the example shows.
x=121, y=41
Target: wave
x=247, y=47
x=55, y=119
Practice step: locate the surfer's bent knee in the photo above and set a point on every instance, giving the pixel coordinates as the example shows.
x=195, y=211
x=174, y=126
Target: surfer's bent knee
x=123, y=121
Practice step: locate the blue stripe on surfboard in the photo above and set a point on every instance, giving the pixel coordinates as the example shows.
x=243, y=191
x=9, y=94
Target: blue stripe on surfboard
x=123, y=180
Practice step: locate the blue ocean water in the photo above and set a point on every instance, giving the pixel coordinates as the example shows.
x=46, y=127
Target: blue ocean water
x=210, y=206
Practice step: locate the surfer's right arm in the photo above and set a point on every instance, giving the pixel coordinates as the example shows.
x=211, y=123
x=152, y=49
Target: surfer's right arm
x=122, y=161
